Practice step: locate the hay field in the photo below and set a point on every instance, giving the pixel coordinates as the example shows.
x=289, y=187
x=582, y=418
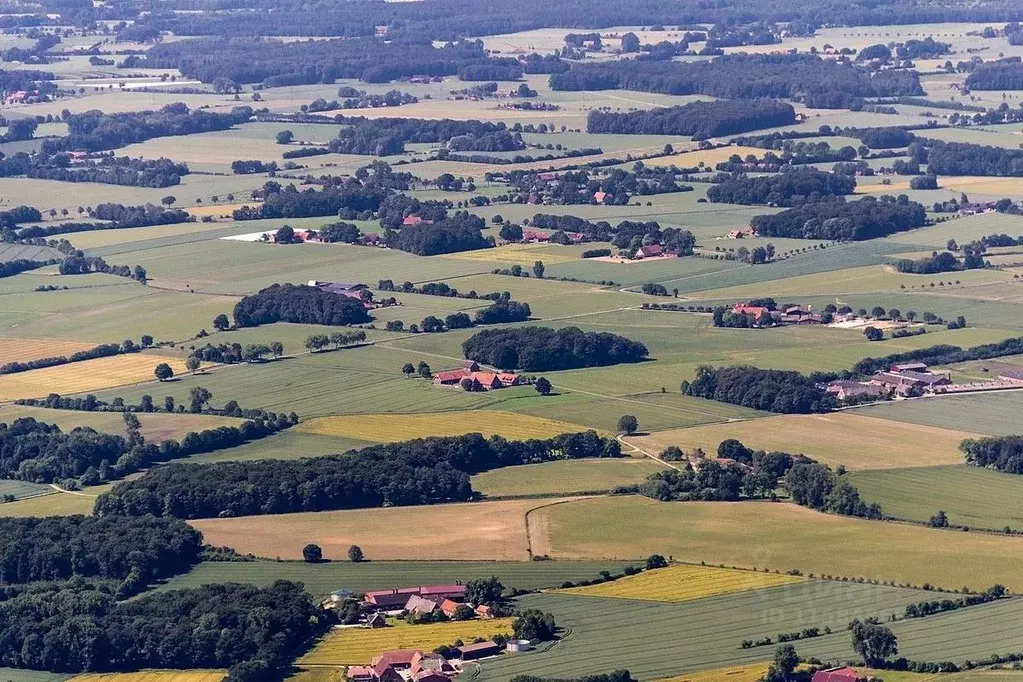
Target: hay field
x=564, y=477
x=710, y=157
x=684, y=582
x=391, y=428
x=483, y=530
x=57, y=504
x=736, y=673
x=779, y=536
x=355, y=646
x=155, y=676
x=849, y=438
x=82, y=377
x=518, y=254
x=970, y=184
x=21, y=350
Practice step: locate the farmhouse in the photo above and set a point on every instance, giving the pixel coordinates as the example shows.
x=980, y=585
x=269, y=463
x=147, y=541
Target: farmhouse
x=376, y=620
x=360, y=673
x=417, y=604
x=649, y=251
x=909, y=383
x=800, y=315
x=531, y=235
x=398, y=597
x=487, y=380
x=844, y=389
x=449, y=607
x=748, y=231
x=399, y=659
x=599, y=197
x=844, y=674
x=430, y=662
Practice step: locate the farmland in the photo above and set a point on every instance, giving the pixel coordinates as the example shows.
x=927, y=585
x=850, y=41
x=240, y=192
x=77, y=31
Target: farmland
x=683, y=582
x=22, y=350
x=498, y=529
x=848, y=438
x=739, y=673
x=156, y=427
x=82, y=377
x=779, y=537
x=155, y=676
x=563, y=477
x=347, y=646
x=380, y=428
x=57, y=504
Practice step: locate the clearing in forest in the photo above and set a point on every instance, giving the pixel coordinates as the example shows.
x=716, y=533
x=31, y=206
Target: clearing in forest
x=391, y=428
x=683, y=582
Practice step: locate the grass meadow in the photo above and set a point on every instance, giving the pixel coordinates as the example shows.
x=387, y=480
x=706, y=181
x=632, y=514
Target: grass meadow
x=23, y=489
x=780, y=537
x=384, y=428
x=992, y=414
x=566, y=477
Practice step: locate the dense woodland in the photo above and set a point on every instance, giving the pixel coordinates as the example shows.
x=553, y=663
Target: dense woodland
x=1004, y=453
x=784, y=189
x=416, y=472
x=544, y=349
x=958, y=158
x=111, y=170
x=388, y=136
x=998, y=75
x=814, y=81
x=701, y=120
x=866, y=218
x=300, y=304
x=762, y=389
x=460, y=232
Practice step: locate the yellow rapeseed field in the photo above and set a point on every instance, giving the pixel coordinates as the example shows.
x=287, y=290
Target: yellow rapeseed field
x=357, y=646
x=155, y=676
x=390, y=428
x=751, y=672
x=20, y=350
x=683, y=583
x=80, y=377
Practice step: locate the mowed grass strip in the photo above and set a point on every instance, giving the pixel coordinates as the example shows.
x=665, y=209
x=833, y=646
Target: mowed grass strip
x=736, y=673
x=684, y=583
x=855, y=440
x=22, y=350
x=155, y=676
x=780, y=537
x=483, y=530
x=391, y=428
x=82, y=377
x=354, y=646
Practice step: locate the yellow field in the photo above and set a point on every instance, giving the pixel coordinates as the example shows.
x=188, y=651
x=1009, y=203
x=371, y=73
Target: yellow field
x=739, y=673
x=20, y=350
x=80, y=377
x=683, y=583
x=355, y=646
x=215, y=210
x=982, y=185
x=710, y=157
x=857, y=441
x=57, y=504
x=518, y=254
x=155, y=676
x=391, y=428
x=469, y=531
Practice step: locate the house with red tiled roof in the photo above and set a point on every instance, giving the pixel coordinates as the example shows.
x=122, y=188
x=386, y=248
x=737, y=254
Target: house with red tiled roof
x=449, y=607
x=411, y=220
x=843, y=674
x=430, y=662
x=484, y=611
x=360, y=673
x=398, y=658
x=531, y=235
x=648, y=251
x=508, y=378
x=599, y=197
x=382, y=672
x=450, y=376
x=390, y=599
x=488, y=380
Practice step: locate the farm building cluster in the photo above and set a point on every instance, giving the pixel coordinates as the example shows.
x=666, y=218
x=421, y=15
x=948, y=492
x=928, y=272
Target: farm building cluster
x=470, y=376
x=915, y=379
x=413, y=665
x=769, y=316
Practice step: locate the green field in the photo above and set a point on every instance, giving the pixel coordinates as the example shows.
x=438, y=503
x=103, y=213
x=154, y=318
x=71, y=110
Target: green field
x=321, y=579
x=993, y=414
x=703, y=634
x=564, y=477
x=23, y=489
x=780, y=537
x=19, y=675
x=971, y=496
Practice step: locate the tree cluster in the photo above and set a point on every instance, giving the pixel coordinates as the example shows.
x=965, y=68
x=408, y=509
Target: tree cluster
x=701, y=120
x=544, y=349
x=960, y=158
x=1004, y=453
x=298, y=304
x=110, y=170
x=866, y=218
x=791, y=188
x=460, y=232
x=762, y=389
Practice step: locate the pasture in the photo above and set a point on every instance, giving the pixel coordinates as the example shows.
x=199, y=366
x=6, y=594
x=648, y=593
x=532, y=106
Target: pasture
x=155, y=676
x=498, y=531
x=683, y=582
x=23, y=489
x=21, y=675
x=57, y=504
x=848, y=438
x=992, y=414
x=290, y=444
x=355, y=646
x=564, y=477
x=703, y=634
x=390, y=428
x=780, y=537
x=83, y=377
x=971, y=496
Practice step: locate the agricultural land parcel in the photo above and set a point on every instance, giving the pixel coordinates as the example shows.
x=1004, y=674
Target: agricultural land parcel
x=381, y=428
x=683, y=582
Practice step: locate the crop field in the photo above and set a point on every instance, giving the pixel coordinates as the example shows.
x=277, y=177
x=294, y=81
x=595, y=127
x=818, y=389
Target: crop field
x=57, y=504
x=521, y=254
x=21, y=675
x=564, y=477
x=961, y=229
x=848, y=438
x=683, y=582
x=22, y=350
x=737, y=673
x=498, y=531
x=702, y=634
x=23, y=489
x=971, y=496
x=780, y=537
x=155, y=676
x=992, y=414
x=348, y=646
x=390, y=428
x=709, y=157
x=324, y=577
x=156, y=426
x=82, y=377
x=11, y=252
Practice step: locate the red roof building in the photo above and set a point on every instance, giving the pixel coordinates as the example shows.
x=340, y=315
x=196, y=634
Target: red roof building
x=530, y=235
x=449, y=607
x=649, y=251
x=430, y=662
x=359, y=673
x=844, y=674
x=508, y=378
x=382, y=672
x=481, y=650
x=755, y=311
x=399, y=658
x=488, y=380
x=599, y=197
x=411, y=220
x=451, y=376
x=394, y=599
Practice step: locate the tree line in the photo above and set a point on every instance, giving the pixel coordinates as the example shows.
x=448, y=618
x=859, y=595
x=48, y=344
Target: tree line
x=544, y=349
x=816, y=82
x=943, y=261
x=110, y=170
x=115, y=216
x=701, y=120
x=761, y=389
x=415, y=472
x=942, y=354
x=1002, y=74
x=960, y=158
x=388, y=136
x=866, y=218
x=1004, y=453
x=298, y=304
x=793, y=187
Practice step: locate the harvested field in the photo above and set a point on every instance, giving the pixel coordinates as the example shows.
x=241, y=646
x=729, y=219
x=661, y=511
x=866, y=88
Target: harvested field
x=683, y=582
x=518, y=254
x=484, y=530
x=710, y=157
x=390, y=428
x=852, y=439
x=155, y=676
x=736, y=673
x=82, y=377
x=347, y=646
x=779, y=536
x=22, y=350
x=565, y=477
